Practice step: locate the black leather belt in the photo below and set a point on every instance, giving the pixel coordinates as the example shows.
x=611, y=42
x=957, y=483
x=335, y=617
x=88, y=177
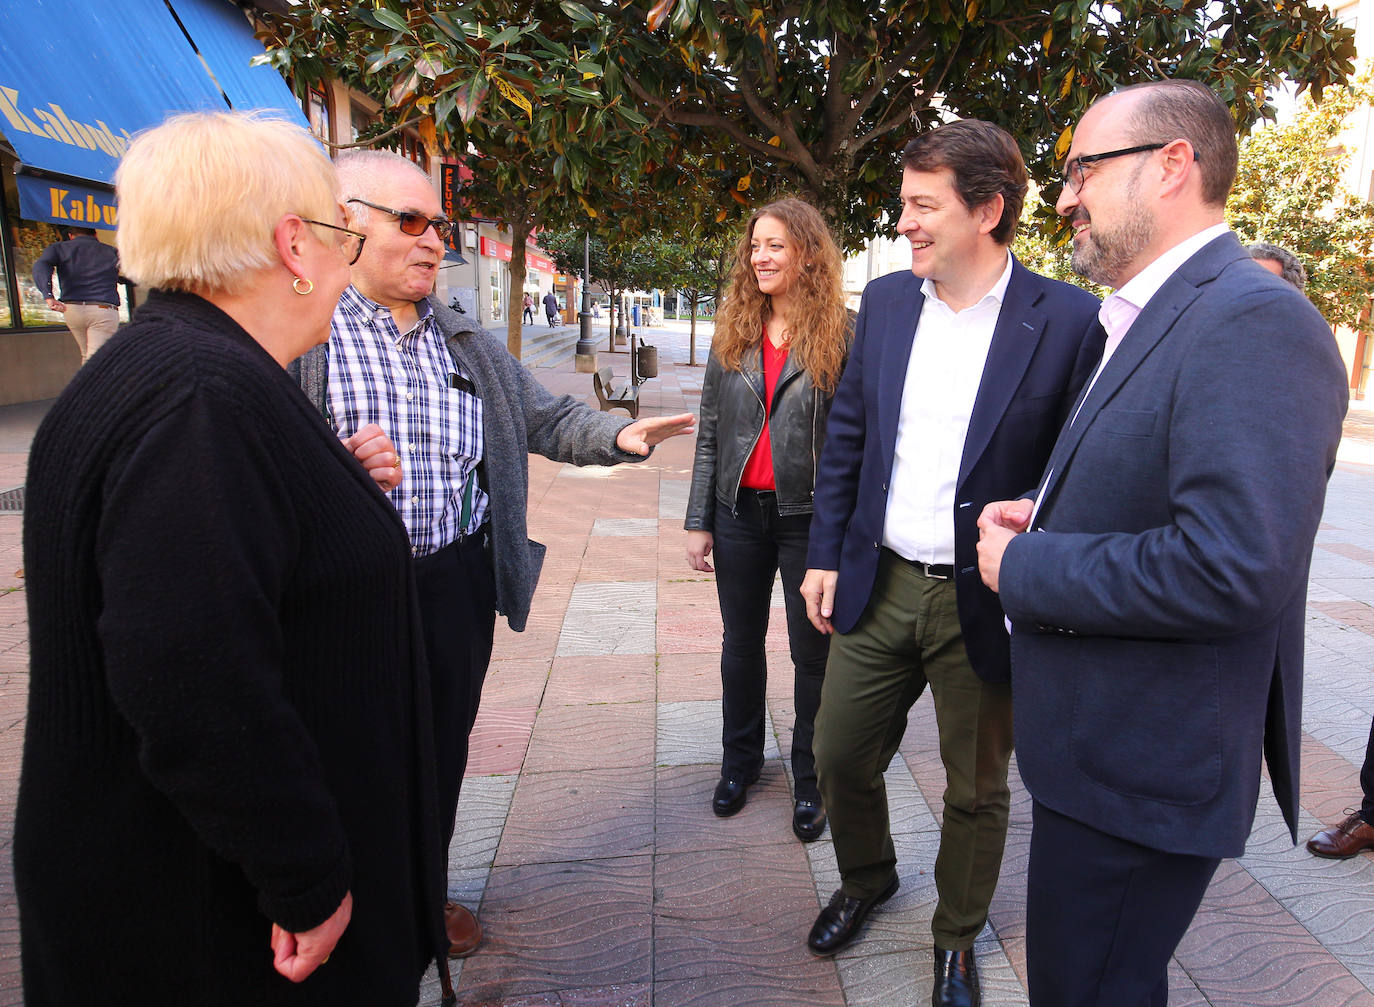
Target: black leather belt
x=935, y=571
x=90, y=304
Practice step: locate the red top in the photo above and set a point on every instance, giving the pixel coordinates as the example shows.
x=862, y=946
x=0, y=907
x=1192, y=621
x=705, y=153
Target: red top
x=758, y=470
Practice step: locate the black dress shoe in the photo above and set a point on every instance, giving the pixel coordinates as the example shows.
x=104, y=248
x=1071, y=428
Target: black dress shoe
x=808, y=821
x=838, y=922
x=956, y=979
x=730, y=796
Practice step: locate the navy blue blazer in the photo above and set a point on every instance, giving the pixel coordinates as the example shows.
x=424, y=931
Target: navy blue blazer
x=1044, y=347
x=1158, y=620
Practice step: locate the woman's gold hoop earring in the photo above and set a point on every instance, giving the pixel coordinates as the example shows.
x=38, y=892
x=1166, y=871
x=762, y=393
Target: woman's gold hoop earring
x=296, y=285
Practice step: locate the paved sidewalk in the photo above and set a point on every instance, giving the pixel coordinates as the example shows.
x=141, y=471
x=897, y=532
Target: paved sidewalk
x=585, y=833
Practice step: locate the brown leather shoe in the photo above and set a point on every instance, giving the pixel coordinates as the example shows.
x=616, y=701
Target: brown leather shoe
x=1341, y=842
x=464, y=932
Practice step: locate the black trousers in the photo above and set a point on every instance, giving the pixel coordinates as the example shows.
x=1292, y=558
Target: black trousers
x=1104, y=915
x=750, y=547
x=458, y=613
x=1367, y=779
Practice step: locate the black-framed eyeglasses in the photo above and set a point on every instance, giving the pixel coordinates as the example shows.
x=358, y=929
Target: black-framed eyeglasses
x=414, y=224
x=1073, y=171
x=351, y=244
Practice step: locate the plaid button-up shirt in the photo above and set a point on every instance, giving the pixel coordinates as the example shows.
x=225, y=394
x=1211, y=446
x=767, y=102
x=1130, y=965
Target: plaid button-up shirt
x=405, y=383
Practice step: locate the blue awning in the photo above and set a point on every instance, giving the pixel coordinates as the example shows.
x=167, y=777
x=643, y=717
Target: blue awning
x=78, y=78
x=225, y=38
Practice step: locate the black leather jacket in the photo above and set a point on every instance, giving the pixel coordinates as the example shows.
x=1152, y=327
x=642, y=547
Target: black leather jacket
x=728, y=427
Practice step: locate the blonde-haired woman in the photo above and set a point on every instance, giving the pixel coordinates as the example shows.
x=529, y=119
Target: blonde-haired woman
x=780, y=343
x=225, y=795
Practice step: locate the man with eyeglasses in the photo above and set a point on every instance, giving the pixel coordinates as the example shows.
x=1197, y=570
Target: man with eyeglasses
x=1157, y=611
x=463, y=415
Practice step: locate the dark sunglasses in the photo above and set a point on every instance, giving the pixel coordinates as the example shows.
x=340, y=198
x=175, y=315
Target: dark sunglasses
x=414, y=224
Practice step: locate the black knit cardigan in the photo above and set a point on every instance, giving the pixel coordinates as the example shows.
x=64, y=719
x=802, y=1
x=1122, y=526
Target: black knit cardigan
x=228, y=721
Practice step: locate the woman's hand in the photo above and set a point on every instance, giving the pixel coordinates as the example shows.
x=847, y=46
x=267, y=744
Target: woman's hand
x=699, y=545
x=297, y=955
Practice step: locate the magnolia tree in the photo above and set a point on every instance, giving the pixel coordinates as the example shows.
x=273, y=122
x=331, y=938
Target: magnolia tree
x=1288, y=192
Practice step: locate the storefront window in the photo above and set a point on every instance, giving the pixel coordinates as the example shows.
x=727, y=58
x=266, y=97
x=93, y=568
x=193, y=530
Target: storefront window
x=317, y=111
x=6, y=316
x=28, y=238
x=360, y=120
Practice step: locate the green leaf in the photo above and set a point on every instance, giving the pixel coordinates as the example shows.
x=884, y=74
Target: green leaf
x=577, y=12
x=390, y=19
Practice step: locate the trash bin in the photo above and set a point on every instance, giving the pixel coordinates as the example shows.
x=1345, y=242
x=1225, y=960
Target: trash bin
x=634, y=315
x=648, y=361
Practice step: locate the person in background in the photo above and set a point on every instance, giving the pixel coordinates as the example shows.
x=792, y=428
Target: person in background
x=465, y=415
x=551, y=307
x=529, y=308
x=1355, y=833
x=88, y=272
x=227, y=765
x=1279, y=261
x=779, y=347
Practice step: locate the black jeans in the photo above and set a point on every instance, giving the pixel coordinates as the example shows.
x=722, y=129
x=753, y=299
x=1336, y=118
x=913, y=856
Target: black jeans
x=457, y=590
x=1367, y=780
x=750, y=547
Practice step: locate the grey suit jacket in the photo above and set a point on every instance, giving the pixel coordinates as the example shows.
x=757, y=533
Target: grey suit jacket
x=519, y=416
x=1157, y=606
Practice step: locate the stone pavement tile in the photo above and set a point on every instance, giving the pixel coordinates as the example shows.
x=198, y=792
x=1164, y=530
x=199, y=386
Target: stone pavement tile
x=736, y=910
x=1243, y=948
x=689, y=734
x=625, y=527
x=596, y=736
x=1333, y=901
x=1356, y=583
x=562, y=926
x=1354, y=614
x=1350, y=551
x=689, y=677
x=482, y=811
x=623, y=995
x=609, y=618
x=1330, y=782
x=692, y=628
x=622, y=678
x=684, y=821
x=618, y=559
x=584, y=815
x=672, y=499
x=498, y=741
x=515, y=682
x=734, y=989
x=681, y=587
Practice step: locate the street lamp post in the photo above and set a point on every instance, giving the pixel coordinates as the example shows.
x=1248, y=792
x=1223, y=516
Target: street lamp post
x=586, y=348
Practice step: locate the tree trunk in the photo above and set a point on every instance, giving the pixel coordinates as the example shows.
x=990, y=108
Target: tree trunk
x=692, y=344
x=515, y=313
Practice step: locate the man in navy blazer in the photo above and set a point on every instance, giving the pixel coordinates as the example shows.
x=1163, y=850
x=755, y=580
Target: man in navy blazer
x=1157, y=611
x=962, y=372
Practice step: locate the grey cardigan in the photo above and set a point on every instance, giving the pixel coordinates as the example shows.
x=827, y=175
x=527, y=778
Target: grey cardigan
x=519, y=416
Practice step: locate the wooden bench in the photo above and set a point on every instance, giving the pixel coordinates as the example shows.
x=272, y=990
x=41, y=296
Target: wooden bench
x=626, y=397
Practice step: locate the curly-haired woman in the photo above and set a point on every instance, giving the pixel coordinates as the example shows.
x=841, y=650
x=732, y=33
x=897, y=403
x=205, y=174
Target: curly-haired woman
x=781, y=339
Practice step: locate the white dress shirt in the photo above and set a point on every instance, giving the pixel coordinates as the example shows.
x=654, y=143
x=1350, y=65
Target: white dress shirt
x=942, y=377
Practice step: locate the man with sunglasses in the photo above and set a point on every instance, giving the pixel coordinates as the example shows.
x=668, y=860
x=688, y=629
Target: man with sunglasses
x=1157, y=612
x=463, y=415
